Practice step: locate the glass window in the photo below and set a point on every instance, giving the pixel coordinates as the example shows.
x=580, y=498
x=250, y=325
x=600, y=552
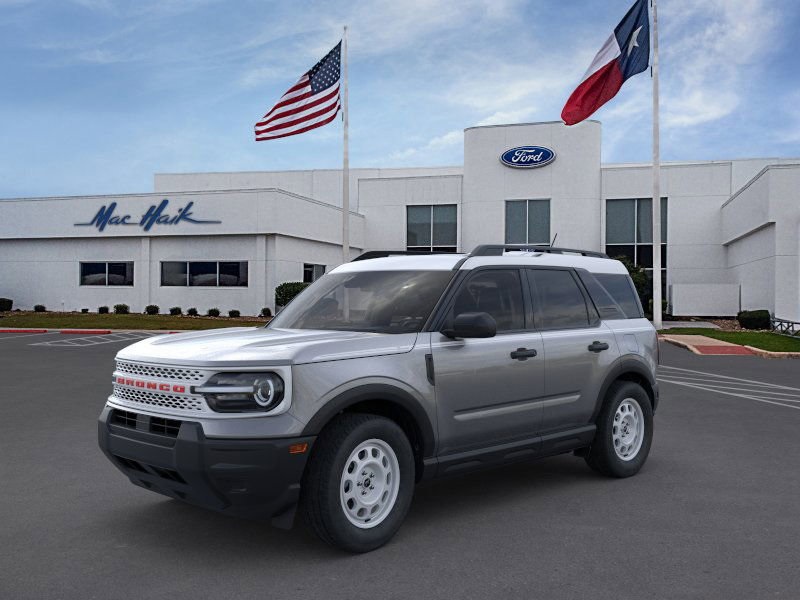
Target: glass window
x=418, y=229
x=516, y=222
x=560, y=302
x=606, y=305
x=93, y=273
x=498, y=293
x=375, y=301
x=620, y=219
x=528, y=222
x=629, y=232
x=120, y=273
x=106, y=273
x=174, y=273
x=621, y=289
x=433, y=228
x=202, y=273
x=312, y=272
x=233, y=274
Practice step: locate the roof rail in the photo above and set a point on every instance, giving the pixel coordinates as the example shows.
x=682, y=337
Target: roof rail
x=498, y=249
x=384, y=253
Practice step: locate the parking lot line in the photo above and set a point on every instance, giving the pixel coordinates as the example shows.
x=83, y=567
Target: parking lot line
x=95, y=340
x=27, y=335
x=676, y=372
x=727, y=393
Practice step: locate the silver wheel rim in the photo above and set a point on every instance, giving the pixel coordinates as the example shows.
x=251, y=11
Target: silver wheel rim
x=370, y=483
x=627, y=432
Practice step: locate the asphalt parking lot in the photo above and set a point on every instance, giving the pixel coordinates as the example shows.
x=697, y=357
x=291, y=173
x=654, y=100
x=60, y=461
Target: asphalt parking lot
x=714, y=513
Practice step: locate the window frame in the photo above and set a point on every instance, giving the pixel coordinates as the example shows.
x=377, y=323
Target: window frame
x=313, y=268
x=527, y=202
x=663, y=246
x=432, y=247
x=132, y=263
x=187, y=281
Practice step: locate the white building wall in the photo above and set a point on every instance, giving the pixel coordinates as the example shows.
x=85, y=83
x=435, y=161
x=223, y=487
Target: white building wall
x=384, y=201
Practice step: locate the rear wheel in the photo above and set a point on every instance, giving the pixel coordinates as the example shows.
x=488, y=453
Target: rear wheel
x=359, y=482
x=624, y=431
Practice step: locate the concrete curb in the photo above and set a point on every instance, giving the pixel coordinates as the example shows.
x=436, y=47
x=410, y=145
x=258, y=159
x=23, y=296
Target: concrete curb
x=770, y=354
x=756, y=351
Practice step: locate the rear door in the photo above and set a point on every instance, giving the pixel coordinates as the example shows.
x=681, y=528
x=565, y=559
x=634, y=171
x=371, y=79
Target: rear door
x=484, y=395
x=578, y=348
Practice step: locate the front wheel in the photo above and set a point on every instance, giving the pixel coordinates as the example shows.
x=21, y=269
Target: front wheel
x=359, y=482
x=624, y=431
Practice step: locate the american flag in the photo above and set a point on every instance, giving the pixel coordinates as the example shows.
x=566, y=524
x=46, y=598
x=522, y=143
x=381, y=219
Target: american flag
x=310, y=103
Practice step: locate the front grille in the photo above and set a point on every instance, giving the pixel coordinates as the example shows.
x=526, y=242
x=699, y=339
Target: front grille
x=124, y=418
x=169, y=427
x=147, y=398
x=172, y=373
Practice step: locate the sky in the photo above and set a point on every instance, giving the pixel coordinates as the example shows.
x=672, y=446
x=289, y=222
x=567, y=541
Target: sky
x=98, y=95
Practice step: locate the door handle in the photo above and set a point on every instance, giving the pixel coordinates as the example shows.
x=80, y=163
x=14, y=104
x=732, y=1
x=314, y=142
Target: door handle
x=598, y=346
x=523, y=354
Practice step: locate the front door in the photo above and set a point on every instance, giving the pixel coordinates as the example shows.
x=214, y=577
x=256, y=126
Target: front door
x=484, y=395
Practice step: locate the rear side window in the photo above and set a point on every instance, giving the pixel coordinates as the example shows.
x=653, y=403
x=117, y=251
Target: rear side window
x=620, y=288
x=605, y=304
x=560, y=302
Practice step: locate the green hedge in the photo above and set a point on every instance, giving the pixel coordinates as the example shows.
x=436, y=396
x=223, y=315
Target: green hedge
x=285, y=292
x=6, y=304
x=754, y=319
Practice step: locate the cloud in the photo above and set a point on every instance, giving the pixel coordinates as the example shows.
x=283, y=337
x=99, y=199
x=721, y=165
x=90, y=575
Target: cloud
x=450, y=139
x=708, y=48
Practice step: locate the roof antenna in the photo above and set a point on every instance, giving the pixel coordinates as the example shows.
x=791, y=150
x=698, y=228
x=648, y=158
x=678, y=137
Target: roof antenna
x=555, y=237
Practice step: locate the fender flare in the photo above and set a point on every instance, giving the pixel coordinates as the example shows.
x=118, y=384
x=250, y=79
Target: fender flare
x=621, y=368
x=376, y=392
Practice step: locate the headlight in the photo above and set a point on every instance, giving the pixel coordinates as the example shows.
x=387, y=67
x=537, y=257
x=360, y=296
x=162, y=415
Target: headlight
x=242, y=392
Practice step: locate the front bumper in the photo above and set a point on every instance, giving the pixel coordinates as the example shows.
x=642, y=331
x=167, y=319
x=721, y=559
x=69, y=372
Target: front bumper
x=253, y=478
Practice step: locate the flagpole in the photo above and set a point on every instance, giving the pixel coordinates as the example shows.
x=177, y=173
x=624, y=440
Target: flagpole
x=345, y=160
x=656, y=204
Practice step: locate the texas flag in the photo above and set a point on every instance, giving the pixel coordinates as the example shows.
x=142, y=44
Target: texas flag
x=625, y=53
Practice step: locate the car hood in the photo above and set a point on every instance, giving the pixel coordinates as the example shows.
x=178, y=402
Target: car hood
x=253, y=346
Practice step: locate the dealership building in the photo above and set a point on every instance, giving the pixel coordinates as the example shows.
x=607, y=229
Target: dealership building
x=730, y=228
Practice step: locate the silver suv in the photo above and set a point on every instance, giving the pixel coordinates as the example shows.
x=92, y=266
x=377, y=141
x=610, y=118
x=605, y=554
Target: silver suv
x=386, y=371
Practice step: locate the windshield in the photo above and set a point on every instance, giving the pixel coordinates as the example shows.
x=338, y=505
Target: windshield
x=376, y=301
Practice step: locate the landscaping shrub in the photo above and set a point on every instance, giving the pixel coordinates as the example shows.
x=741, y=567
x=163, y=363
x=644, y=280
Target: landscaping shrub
x=213, y=312
x=175, y=310
x=234, y=314
x=266, y=312
x=39, y=308
x=121, y=309
x=103, y=310
x=754, y=319
x=192, y=312
x=84, y=310
x=6, y=304
x=286, y=291
x=151, y=309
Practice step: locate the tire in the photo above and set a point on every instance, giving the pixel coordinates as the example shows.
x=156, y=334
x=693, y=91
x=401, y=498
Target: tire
x=624, y=431
x=357, y=487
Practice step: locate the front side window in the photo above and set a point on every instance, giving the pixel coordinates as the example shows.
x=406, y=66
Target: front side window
x=204, y=273
x=106, y=273
x=528, y=222
x=372, y=301
x=432, y=228
x=559, y=301
x=498, y=293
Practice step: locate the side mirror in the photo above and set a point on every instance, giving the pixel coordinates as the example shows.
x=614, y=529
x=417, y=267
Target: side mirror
x=472, y=325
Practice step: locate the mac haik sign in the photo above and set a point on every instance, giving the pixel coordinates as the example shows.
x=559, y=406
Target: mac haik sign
x=156, y=216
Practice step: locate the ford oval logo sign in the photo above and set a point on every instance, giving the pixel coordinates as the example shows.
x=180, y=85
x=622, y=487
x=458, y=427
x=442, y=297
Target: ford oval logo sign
x=527, y=157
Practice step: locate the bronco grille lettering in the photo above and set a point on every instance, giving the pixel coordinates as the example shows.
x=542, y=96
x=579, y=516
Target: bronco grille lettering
x=150, y=385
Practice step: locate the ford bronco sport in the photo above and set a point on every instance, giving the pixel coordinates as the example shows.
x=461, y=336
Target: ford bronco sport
x=388, y=370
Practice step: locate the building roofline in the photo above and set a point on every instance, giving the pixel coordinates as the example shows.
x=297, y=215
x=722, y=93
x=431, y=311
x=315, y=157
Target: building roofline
x=531, y=123
x=756, y=177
